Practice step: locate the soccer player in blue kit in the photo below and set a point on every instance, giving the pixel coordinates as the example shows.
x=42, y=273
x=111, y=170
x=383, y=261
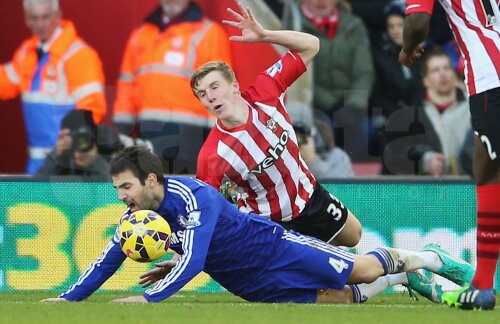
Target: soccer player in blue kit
x=251, y=257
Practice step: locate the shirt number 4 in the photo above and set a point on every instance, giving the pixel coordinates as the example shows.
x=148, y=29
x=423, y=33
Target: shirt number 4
x=338, y=265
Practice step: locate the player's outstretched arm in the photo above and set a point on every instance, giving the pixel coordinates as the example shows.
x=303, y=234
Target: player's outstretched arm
x=416, y=29
x=53, y=299
x=131, y=299
x=304, y=44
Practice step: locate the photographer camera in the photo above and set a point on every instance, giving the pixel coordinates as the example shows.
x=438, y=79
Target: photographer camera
x=316, y=144
x=76, y=152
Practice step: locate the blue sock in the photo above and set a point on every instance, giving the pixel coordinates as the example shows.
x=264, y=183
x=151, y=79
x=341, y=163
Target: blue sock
x=385, y=259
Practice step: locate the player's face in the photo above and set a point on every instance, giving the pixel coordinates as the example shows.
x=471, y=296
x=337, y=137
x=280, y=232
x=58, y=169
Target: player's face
x=172, y=8
x=42, y=20
x=217, y=94
x=134, y=194
x=321, y=8
x=395, y=25
x=440, y=75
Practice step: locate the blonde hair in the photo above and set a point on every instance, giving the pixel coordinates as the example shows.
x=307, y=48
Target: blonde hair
x=202, y=71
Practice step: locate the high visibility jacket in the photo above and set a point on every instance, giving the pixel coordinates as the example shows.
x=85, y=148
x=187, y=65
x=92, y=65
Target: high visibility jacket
x=154, y=83
x=68, y=76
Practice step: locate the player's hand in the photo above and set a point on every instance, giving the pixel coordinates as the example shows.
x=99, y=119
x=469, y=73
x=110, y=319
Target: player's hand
x=436, y=164
x=409, y=60
x=53, y=300
x=251, y=30
x=158, y=273
x=131, y=299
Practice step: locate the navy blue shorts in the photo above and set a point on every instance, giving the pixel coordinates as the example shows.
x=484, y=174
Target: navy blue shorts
x=301, y=265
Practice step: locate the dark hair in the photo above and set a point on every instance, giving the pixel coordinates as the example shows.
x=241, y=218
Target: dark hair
x=138, y=159
x=395, y=7
x=78, y=118
x=428, y=55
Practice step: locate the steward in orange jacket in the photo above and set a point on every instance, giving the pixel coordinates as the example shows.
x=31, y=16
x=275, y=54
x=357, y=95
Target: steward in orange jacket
x=54, y=77
x=154, y=93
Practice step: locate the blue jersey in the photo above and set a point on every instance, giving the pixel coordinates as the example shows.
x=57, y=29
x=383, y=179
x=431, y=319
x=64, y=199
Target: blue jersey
x=247, y=254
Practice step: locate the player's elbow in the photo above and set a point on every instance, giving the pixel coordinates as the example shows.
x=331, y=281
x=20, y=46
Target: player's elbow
x=310, y=49
x=315, y=45
x=196, y=265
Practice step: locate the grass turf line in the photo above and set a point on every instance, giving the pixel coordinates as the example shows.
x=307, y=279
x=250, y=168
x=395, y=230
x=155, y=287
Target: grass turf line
x=187, y=307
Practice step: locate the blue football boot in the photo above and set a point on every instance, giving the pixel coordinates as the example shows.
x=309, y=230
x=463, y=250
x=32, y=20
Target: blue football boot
x=471, y=298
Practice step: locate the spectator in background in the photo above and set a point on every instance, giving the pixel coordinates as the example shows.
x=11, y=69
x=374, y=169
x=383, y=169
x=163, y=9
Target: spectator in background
x=457, y=61
x=437, y=130
x=317, y=145
x=372, y=14
x=343, y=71
x=56, y=72
x=154, y=93
x=76, y=152
x=276, y=6
x=396, y=85
x=109, y=141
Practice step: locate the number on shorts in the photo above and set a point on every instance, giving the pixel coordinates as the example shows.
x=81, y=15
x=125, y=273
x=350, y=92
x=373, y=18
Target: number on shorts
x=334, y=210
x=486, y=141
x=338, y=265
x=337, y=200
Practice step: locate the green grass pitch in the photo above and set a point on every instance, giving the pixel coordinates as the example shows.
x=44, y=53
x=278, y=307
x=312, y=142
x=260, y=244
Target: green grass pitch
x=225, y=308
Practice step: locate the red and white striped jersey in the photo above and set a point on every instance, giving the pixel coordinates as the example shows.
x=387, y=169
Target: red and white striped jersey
x=476, y=26
x=262, y=156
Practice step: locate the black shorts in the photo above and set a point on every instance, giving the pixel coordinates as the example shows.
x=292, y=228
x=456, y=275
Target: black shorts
x=485, y=114
x=323, y=217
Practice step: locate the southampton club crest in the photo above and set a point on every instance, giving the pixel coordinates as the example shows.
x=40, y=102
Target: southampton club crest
x=272, y=125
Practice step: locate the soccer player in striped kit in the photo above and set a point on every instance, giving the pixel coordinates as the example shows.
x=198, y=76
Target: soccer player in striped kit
x=253, y=143
x=476, y=27
x=250, y=256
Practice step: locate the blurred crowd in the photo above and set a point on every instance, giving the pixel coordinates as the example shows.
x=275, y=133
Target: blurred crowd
x=361, y=106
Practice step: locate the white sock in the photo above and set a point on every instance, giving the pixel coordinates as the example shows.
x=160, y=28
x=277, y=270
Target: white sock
x=397, y=279
x=432, y=260
x=361, y=292
x=416, y=260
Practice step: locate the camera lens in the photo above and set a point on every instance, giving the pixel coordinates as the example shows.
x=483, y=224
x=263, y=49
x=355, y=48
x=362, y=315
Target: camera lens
x=82, y=140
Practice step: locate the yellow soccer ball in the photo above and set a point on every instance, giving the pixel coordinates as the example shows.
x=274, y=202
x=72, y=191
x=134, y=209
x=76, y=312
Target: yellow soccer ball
x=144, y=236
